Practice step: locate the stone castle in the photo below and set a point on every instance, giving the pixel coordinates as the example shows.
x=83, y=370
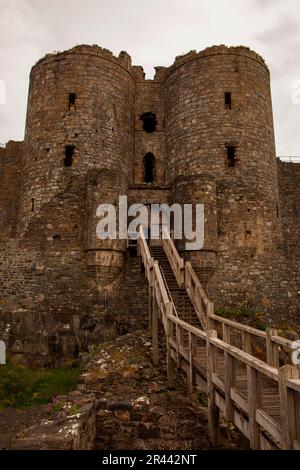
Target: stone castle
x=200, y=131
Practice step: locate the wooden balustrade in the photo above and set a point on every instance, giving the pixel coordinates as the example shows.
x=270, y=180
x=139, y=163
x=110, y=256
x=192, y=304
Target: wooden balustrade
x=259, y=398
x=186, y=276
x=271, y=342
x=247, y=411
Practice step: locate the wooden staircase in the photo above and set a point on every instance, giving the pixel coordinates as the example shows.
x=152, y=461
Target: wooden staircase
x=179, y=296
x=239, y=367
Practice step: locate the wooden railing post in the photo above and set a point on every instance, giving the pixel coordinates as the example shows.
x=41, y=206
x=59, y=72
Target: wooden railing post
x=246, y=342
x=190, y=374
x=272, y=348
x=154, y=328
x=171, y=367
x=287, y=406
x=254, y=402
x=210, y=311
x=213, y=410
x=229, y=376
x=177, y=345
x=151, y=300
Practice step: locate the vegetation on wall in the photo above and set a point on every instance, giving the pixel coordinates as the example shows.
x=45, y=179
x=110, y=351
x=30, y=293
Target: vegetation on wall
x=21, y=387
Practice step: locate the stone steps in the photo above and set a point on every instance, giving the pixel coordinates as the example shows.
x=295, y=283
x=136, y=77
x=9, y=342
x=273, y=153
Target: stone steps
x=179, y=295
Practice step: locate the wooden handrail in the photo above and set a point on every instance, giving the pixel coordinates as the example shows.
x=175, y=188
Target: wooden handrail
x=246, y=359
x=161, y=285
x=294, y=384
x=176, y=262
x=196, y=294
x=281, y=341
x=144, y=243
x=189, y=328
x=238, y=326
x=272, y=342
x=174, y=311
x=145, y=255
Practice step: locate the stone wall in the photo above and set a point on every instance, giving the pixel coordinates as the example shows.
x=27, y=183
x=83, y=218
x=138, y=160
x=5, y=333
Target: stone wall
x=10, y=179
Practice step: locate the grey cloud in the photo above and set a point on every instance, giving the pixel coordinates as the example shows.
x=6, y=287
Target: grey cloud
x=153, y=33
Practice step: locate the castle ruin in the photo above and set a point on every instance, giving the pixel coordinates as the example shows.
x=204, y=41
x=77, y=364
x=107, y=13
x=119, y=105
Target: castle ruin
x=200, y=132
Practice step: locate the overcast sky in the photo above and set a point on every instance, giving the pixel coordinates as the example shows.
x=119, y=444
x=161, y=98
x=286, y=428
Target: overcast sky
x=153, y=32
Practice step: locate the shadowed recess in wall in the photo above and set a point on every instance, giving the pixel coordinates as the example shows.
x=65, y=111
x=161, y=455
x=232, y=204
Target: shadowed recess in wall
x=149, y=122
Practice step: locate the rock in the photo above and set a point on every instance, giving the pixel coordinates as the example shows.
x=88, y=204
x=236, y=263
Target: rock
x=122, y=415
x=141, y=401
x=148, y=431
x=71, y=433
x=119, y=405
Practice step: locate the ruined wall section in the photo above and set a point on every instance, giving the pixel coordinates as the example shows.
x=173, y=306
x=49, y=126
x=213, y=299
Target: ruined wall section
x=48, y=295
x=10, y=177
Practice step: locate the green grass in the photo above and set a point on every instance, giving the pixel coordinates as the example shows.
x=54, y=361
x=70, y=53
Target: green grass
x=245, y=311
x=261, y=325
x=21, y=387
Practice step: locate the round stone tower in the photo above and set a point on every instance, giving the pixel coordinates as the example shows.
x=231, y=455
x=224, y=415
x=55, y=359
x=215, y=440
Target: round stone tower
x=79, y=117
x=219, y=125
x=79, y=122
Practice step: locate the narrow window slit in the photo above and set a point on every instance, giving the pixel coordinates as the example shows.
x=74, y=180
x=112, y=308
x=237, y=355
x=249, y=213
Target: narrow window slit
x=227, y=99
x=149, y=168
x=231, y=155
x=72, y=100
x=69, y=154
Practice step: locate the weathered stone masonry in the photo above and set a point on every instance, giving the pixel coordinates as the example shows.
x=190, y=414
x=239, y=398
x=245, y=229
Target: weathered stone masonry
x=200, y=132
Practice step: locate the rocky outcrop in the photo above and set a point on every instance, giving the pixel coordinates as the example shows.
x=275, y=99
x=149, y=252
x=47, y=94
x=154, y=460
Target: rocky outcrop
x=123, y=403
x=75, y=432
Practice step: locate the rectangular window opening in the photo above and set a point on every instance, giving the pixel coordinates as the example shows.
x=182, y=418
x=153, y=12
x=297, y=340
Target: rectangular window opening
x=72, y=99
x=69, y=155
x=32, y=204
x=231, y=155
x=227, y=97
